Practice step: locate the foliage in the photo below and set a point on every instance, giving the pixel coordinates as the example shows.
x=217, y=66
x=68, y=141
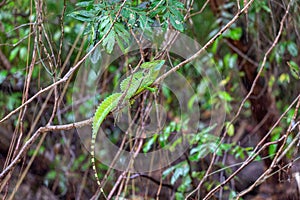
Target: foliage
x=100, y=18
x=47, y=54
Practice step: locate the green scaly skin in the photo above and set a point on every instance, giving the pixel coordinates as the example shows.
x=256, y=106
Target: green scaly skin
x=130, y=87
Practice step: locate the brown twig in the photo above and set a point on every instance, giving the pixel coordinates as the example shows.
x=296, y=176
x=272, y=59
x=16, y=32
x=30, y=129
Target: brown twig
x=212, y=40
x=35, y=136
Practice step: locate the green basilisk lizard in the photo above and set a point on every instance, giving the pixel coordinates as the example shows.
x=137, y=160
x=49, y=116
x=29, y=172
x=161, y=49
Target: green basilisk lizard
x=130, y=87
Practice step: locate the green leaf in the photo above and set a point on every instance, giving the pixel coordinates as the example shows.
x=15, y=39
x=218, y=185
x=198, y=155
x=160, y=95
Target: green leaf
x=159, y=9
x=149, y=144
x=96, y=55
x=238, y=152
x=167, y=172
x=163, y=138
x=181, y=170
x=230, y=60
x=125, y=13
x=186, y=183
x=76, y=15
x=266, y=8
x=176, y=13
x=85, y=13
x=176, y=23
x=230, y=129
x=104, y=22
x=109, y=41
x=178, y=4
x=13, y=53
x=225, y=96
x=122, y=36
x=23, y=53
x=84, y=3
x=215, y=45
x=284, y=78
x=51, y=175
x=3, y=74
x=294, y=69
x=191, y=102
x=13, y=101
x=121, y=44
x=202, y=150
x=175, y=143
x=234, y=33
x=132, y=19
x=179, y=196
x=275, y=135
x=225, y=146
x=292, y=48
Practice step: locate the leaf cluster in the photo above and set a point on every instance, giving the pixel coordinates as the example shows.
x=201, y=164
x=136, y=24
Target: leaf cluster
x=100, y=19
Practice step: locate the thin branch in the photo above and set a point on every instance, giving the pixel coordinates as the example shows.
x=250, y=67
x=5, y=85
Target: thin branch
x=212, y=40
x=35, y=136
x=256, y=152
x=67, y=75
x=152, y=179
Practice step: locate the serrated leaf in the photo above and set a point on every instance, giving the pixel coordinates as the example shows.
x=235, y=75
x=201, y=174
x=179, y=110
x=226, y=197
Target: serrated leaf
x=85, y=13
x=176, y=13
x=144, y=22
x=109, y=41
x=125, y=13
x=178, y=4
x=123, y=34
x=79, y=17
x=132, y=19
x=104, y=21
x=84, y=3
x=121, y=44
x=158, y=10
x=176, y=23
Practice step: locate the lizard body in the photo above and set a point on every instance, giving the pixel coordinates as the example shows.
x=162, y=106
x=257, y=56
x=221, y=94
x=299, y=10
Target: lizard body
x=130, y=87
